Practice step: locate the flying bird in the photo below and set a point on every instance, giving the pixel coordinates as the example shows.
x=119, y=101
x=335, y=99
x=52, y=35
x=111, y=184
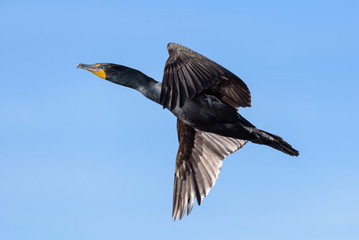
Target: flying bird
x=205, y=97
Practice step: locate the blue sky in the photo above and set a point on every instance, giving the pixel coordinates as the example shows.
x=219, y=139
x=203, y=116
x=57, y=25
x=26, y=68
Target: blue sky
x=82, y=158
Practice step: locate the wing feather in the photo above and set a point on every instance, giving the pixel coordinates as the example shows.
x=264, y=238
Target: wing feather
x=188, y=73
x=198, y=164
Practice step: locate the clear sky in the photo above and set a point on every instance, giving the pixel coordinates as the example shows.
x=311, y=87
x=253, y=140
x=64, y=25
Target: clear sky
x=82, y=158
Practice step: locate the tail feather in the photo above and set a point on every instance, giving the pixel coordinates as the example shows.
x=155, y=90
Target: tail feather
x=274, y=141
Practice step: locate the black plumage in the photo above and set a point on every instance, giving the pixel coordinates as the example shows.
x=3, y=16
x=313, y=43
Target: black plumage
x=204, y=97
x=188, y=73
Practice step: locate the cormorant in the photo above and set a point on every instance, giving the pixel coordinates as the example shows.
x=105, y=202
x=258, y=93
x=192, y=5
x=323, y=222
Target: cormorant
x=204, y=97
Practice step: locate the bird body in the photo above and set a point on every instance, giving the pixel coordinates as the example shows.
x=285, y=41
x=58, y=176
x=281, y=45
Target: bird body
x=205, y=112
x=205, y=98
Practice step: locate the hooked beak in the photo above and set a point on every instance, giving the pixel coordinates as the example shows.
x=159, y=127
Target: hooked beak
x=95, y=69
x=88, y=67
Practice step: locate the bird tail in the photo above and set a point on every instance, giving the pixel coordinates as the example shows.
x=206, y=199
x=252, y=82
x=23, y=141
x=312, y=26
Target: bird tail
x=274, y=141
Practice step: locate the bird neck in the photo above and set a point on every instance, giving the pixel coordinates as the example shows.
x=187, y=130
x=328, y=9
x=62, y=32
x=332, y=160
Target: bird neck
x=150, y=88
x=135, y=79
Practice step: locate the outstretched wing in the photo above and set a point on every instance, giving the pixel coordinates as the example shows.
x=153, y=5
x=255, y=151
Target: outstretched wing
x=198, y=164
x=188, y=73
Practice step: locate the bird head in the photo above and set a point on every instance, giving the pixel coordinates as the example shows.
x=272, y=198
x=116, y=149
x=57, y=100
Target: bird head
x=109, y=71
x=118, y=74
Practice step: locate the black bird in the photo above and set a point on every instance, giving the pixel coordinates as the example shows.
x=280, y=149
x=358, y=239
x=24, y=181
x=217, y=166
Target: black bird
x=204, y=97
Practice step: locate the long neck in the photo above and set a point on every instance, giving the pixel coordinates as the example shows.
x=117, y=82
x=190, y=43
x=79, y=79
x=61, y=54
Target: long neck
x=135, y=79
x=150, y=88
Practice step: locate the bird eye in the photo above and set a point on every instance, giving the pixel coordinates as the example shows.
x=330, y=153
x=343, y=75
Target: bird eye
x=100, y=67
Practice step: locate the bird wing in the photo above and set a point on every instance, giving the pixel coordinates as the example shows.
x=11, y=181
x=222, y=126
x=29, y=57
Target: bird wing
x=188, y=73
x=198, y=164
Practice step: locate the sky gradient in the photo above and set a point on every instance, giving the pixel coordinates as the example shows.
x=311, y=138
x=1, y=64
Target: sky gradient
x=83, y=158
